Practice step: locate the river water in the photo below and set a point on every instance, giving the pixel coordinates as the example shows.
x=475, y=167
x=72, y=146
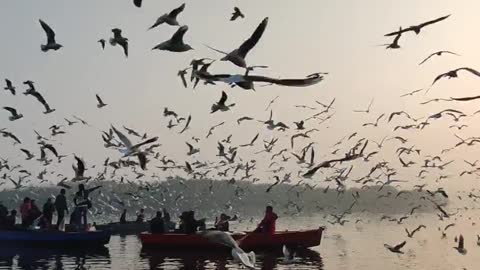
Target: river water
x=359, y=245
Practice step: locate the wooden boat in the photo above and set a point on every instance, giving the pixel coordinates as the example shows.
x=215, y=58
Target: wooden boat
x=251, y=241
x=124, y=228
x=54, y=238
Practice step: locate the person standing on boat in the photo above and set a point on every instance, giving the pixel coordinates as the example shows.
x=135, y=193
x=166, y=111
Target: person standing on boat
x=141, y=216
x=61, y=206
x=157, y=224
x=222, y=224
x=48, y=210
x=82, y=202
x=25, y=211
x=123, y=217
x=267, y=225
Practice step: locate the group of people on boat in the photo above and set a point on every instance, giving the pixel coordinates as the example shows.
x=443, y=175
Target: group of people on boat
x=31, y=215
x=189, y=225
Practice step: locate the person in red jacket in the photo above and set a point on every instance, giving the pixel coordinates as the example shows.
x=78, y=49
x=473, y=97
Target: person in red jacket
x=267, y=225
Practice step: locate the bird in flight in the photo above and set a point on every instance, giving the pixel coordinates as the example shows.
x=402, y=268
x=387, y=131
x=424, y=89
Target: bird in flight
x=439, y=53
x=397, y=248
x=454, y=74
x=394, y=44
x=120, y=40
x=169, y=18
x=9, y=87
x=238, y=55
x=51, y=43
x=175, y=43
x=417, y=28
x=220, y=105
x=100, y=104
x=14, y=114
x=367, y=110
x=237, y=13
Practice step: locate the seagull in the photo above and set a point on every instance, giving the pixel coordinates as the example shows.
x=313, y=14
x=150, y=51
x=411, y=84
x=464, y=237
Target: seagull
x=461, y=247
x=238, y=55
x=411, y=93
x=187, y=125
x=417, y=28
x=102, y=43
x=376, y=122
x=454, y=74
x=237, y=13
x=175, y=43
x=14, y=114
x=79, y=170
x=367, y=110
x=42, y=100
x=397, y=248
x=51, y=43
x=9, y=87
x=251, y=142
x=118, y=39
x=170, y=18
x=131, y=149
x=220, y=105
x=244, y=118
x=410, y=234
x=394, y=44
x=29, y=155
x=223, y=238
x=192, y=150
x=439, y=53
x=100, y=104
x=181, y=74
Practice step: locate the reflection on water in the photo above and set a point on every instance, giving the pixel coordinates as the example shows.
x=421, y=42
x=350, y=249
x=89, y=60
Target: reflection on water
x=126, y=253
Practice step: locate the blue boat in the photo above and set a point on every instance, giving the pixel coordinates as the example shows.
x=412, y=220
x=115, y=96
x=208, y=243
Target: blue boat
x=54, y=238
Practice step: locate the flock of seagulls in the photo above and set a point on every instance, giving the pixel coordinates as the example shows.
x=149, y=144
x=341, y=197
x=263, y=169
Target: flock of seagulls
x=136, y=151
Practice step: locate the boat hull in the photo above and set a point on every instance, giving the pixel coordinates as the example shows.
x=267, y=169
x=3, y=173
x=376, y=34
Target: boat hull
x=253, y=241
x=54, y=238
x=128, y=228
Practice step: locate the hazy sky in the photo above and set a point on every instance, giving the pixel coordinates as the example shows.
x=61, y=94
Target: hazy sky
x=339, y=37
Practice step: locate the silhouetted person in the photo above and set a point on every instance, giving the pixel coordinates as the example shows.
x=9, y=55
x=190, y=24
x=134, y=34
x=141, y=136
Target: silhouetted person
x=11, y=220
x=61, y=206
x=267, y=225
x=25, y=211
x=48, y=209
x=141, y=216
x=123, y=217
x=222, y=224
x=157, y=224
x=82, y=202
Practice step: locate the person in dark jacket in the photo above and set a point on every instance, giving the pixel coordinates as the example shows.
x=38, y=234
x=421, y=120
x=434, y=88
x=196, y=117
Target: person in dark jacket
x=61, y=206
x=157, y=224
x=123, y=217
x=222, y=224
x=82, y=202
x=11, y=220
x=48, y=209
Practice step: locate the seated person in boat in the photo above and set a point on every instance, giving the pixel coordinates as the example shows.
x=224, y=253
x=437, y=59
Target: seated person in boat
x=44, y=223
x=141, y=216
x=188, y=223
x=123, y=217
x=34, y=213
x=169, y=225
x=222, y=224
x=267, y=225
x=157, y=224
x=11, y=219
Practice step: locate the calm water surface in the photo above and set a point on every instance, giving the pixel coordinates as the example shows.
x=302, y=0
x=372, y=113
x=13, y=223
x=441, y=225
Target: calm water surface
x=353, y=246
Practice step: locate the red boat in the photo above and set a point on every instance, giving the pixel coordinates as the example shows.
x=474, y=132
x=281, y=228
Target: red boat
x=250, y=241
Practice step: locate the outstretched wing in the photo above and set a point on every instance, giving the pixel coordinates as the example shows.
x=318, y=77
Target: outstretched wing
x=433, y=21
x=254, y=38
x=223, y=99
x=123, y=138
x=50, y=33
x=174, y=13
x=178, y=36
x=400, y=246
x=11, y=110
